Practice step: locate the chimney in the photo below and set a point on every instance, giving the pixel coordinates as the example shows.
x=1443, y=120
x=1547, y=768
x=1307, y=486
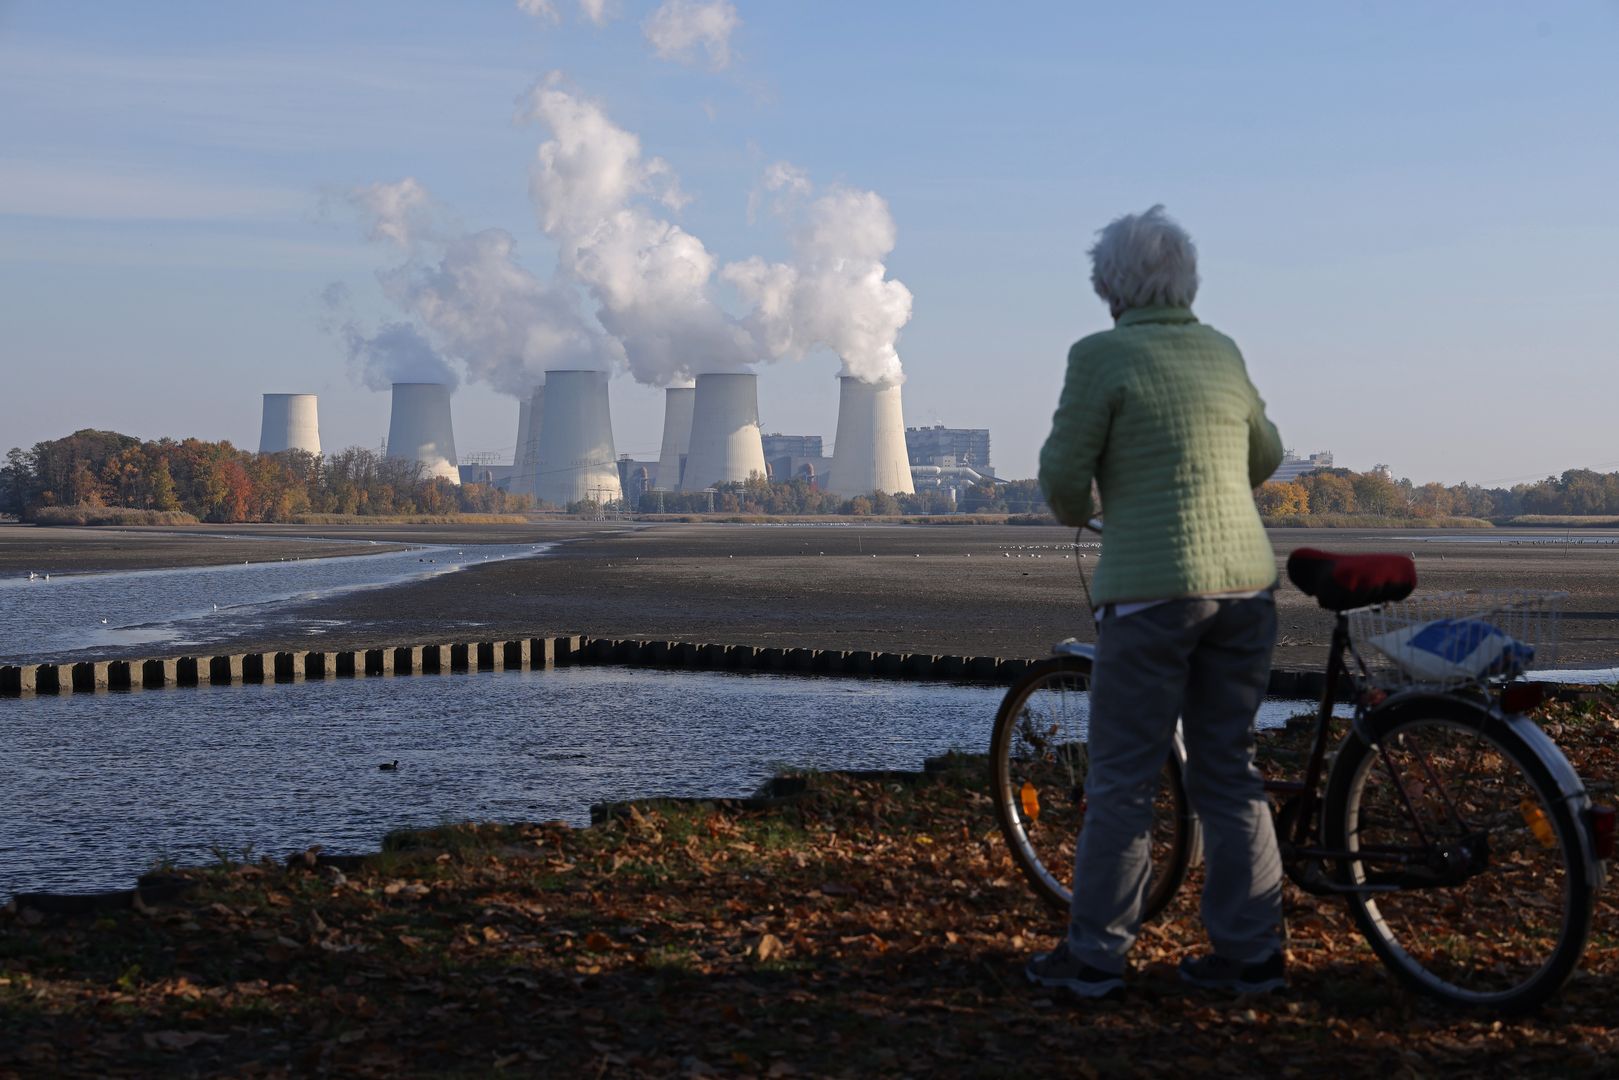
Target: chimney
x=725, y=442
x=575, y=458
x=419, y=429
x=289, y=423
x=869, y=454
x=677, y=406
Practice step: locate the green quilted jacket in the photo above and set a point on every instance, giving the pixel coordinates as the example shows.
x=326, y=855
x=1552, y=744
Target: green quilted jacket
x=1160, y=413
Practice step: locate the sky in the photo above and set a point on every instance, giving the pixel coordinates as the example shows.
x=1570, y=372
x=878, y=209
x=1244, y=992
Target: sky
x=1405, y=212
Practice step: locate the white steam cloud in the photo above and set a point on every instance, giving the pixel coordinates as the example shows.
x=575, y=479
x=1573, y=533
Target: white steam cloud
x=836, y=292
x=596, y=11
x=596, y=196
x=475, y=302
x=397, y=352
x=680, y=27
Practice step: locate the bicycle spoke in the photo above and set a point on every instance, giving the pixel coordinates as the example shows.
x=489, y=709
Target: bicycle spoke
x=1482, y=910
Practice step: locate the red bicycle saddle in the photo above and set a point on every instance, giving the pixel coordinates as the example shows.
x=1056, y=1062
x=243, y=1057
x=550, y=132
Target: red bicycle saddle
x=1341, y=582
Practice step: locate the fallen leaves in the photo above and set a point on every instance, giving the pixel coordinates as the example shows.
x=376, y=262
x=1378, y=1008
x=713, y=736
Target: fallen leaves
x=872, y=927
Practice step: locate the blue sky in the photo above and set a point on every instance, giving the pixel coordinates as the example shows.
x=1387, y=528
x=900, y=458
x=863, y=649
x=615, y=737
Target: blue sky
x=1406, y=212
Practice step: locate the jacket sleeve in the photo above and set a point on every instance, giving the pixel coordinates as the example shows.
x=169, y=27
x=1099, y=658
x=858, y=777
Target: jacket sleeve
x=1069, y=458
x=1264, y=444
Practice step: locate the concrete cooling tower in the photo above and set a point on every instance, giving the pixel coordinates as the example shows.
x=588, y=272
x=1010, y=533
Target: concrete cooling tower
x=869, y=454
x=289, y=423
x=419, y=429
x=677, y=405
x=725, y=442
x=576, y=459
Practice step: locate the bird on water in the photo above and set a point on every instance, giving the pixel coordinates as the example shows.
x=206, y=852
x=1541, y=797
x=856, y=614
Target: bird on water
x=389, y=766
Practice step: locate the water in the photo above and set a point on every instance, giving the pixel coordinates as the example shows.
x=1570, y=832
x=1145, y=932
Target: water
x=172, y=609
x=95, y=790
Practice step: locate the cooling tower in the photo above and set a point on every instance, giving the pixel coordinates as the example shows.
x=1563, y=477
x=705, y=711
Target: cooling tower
x=289, y=424
x=725, y=444
x=419, y=429
x=575, y=459
x=677, y=403
x=869, y=454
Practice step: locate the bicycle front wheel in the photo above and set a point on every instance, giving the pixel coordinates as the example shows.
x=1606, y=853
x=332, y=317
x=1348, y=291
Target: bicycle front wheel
x=1468, y=863
x=1038, y=765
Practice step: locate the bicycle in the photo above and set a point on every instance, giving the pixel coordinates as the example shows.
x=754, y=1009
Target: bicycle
x=1456, y=831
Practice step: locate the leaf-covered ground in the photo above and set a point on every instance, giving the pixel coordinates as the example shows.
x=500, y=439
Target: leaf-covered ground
x=870, y=927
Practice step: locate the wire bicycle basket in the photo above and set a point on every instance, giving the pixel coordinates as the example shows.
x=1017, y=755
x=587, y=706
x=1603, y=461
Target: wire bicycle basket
x=1450, y=639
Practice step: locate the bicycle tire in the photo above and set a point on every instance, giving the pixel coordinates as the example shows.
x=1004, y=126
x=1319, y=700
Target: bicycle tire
x=1497, y=917
x=1042, y=845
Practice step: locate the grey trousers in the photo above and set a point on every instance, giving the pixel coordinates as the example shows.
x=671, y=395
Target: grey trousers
x=1206, y=662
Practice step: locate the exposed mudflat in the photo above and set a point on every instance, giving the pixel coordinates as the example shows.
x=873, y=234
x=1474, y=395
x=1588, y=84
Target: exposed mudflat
x=983, y=590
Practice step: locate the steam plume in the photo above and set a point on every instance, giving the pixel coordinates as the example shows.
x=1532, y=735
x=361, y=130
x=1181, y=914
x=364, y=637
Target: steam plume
x=476, y=303
x=595, y=194
x=836, y=291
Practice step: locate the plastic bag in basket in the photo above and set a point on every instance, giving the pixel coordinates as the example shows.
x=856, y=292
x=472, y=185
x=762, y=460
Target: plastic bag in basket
x=1448, y=649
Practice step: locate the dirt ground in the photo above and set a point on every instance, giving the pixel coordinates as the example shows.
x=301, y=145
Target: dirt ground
x=1006, y=591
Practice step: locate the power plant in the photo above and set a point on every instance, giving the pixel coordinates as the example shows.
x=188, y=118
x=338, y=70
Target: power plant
x=525, y=454
x=725, y=442
x=419, y=429
x=869, y=452
x=290, y=423
x=575, y=458
x=677, y=406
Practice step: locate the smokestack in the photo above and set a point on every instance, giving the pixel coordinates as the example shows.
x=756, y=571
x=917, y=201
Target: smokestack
x=869, y=454
x=289, y=424
x=725, y=443
x=677, y=405
x=419, y=429
x=576, y=459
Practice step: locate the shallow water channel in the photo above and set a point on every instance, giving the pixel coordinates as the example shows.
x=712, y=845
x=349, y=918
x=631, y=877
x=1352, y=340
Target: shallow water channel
x=95, y=790
x=55, y=619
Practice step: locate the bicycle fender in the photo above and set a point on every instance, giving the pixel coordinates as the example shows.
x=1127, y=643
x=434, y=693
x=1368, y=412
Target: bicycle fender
x=1570, y=788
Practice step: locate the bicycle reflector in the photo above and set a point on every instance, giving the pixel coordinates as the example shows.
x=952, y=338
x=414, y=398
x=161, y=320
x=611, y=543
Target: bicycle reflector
x=1029, y=799
x=1538, y=823
x=1602, y=823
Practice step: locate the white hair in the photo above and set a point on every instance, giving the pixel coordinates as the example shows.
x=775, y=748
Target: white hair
x=1144, y=260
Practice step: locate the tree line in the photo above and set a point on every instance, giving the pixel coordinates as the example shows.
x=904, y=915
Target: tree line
x=216, y=482
x=1376, y=493
x=798, y=497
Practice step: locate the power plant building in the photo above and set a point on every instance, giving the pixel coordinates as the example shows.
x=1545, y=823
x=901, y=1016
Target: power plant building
x=575, y=459
x=939, y=445
x=290, y=422
x=419, y=429
x=677, y=406
x=869, y=453
x=795, y=457
x=725, y=442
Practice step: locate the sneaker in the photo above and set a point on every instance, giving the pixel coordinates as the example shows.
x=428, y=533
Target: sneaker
x=1061, y=970
x=1218, y=973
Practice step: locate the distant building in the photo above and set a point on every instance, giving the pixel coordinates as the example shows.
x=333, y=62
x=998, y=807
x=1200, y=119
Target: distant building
x=789, y=457
x=635, y=478
x=1293, y=466
x=939, y=445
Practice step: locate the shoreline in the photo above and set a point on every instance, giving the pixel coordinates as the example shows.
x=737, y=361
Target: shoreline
x=982, y=590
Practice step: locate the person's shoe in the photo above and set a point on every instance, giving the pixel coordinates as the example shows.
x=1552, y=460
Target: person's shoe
x=1218, y=973
x=1061, y=970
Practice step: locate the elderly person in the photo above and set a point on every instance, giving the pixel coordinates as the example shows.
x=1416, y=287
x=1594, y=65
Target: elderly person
x=1160, y=413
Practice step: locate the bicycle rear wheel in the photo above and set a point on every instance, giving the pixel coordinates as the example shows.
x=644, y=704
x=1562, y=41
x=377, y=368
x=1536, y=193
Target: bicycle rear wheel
x=1037, y=777
x=1476, y=887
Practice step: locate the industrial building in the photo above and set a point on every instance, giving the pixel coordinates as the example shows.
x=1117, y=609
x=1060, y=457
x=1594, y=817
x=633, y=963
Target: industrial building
x=725, y=443
x=939, y=445
x=290, y=422
x=1293, y=466
x=419, y=429
x=574, y=458
x=793, y=457
x=677, y=407
x=868, y=453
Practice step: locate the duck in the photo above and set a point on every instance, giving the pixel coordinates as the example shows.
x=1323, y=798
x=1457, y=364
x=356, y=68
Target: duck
x=390, y=766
